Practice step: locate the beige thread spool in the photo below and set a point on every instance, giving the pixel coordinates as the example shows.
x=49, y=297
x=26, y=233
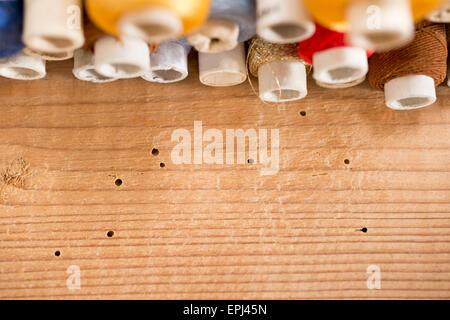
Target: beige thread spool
x=283, y=21
x=281, y=73
x=52, y=28
x=380, y=24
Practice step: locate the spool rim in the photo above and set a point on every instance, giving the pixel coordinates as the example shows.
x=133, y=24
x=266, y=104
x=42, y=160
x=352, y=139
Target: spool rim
x=219, y=78
x=48, y=42
x=51, y=56
x=410, y=92
x=278, y=32
x=340, y=65
x=166, y=25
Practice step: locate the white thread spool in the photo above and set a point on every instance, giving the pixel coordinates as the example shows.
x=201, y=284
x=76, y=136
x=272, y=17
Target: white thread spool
x=380, y=24
x=282, y=81
x=22, y=67
x=120, y=59
x=84, y=68
x=340, y=65
x=223, y=69
x=283, y=21
x=410, y=92
x=216, y=35
x=153, y=24
x=440, y=15
x=169, y=63
x=52, y=28
x=341, y=85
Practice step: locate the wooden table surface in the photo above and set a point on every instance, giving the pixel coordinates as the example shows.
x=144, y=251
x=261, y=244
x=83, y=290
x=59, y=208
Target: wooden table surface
x=204, y=231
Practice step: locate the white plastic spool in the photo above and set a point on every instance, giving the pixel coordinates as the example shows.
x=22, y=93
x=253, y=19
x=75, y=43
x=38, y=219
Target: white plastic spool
x=120, y=59
x=52, y=28
x=168, y=64
x=216, y=35
x=153, y=24
x=22, y=67
x=223, y=69
x=380, y=24
x=282, y=81
x=410, y=92
x=440, y=15
x=340, y=65
x=84, y=68
x=283, y=21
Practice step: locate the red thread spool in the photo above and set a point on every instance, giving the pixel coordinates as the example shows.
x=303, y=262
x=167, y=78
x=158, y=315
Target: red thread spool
x=334, y=61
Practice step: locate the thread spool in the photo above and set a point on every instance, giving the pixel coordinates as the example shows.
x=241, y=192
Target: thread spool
x=22, y=67
x=283, y=21
x=280, y=71
x=383, y=24
x=335, y=63
x=229, y=22
x=52, y=28
x=223, y=69
x=441, y=14
x=84, y=66
x=169, y=63
x=154, y=21
x=121, y=59
x=11, y=21
x=409, y=75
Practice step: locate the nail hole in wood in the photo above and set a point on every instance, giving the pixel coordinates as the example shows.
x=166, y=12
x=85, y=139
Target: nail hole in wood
x=162, y=164
x=118, y=182
x=346, y=161
x=303, y=113
x=364, y=230
x=57, y=253
x=110, y=234
x=155, y=152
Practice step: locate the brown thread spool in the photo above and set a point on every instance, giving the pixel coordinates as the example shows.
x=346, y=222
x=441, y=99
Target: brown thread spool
x=409, y=75
x=448, y=63
x=282, y=73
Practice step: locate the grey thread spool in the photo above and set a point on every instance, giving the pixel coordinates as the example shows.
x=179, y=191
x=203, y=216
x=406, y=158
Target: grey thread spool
x=230, y=22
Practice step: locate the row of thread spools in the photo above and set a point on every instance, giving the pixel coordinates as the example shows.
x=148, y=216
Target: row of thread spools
x=340, y=40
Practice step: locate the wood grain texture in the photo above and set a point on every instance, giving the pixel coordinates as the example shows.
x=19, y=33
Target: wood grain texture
x=219, y=231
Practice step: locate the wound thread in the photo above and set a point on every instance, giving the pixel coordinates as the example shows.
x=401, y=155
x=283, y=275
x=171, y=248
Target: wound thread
x=11, y=23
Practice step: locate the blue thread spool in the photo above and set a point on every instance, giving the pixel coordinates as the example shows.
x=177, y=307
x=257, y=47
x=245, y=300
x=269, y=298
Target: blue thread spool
x=11, y=21
x=230, y=22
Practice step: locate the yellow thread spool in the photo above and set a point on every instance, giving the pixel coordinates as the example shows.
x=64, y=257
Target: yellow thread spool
x=150, y=20
x=332, y=13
